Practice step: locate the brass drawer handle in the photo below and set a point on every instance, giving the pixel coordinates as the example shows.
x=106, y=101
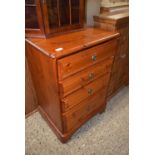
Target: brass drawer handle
x=90, y=91
x=91, y=76
x=94, y=57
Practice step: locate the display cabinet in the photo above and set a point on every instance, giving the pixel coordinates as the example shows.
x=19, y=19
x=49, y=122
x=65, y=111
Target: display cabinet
x=45, y=18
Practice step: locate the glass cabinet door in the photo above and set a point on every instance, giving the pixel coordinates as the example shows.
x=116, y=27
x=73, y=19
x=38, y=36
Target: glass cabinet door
x=75, y=10
x=62, y=15
x=52, y=9
x=64, y=12
x=31, y=20
x=44, y=18
x=58, y=13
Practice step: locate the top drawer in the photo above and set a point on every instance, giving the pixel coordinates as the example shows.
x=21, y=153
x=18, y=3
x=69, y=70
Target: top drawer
x=77, y=62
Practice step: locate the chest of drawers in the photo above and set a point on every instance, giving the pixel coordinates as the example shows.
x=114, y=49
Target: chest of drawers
x=71, y=75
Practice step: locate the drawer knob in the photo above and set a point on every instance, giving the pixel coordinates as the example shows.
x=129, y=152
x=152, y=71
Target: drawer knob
x=91, y=76
x=90, y=91
x=93, y=57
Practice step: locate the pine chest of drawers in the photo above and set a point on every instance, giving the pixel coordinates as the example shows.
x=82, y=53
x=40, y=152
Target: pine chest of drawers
x=71, y=74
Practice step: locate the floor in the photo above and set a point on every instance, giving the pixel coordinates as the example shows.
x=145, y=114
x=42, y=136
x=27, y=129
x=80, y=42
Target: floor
x=104, y=134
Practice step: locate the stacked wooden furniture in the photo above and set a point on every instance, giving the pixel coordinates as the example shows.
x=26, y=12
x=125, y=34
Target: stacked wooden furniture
x=71, y=74
x=116, y=19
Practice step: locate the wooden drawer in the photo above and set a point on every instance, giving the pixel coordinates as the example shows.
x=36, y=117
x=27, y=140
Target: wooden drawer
x=77, y=62
x=77, y=115
x=84, y=77
x=85, y=92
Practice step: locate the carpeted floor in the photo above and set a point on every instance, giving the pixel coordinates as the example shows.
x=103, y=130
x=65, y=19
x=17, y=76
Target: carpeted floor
x=105, y=134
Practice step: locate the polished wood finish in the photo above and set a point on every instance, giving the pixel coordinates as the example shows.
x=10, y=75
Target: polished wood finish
x=77, y=114
x=67, y=67
x=30, y=96
x=84, y=77
x=71, y=42
x=44, y=75
x=63, y=102
x=117, y=20
x=85, y=92
x=46, y=18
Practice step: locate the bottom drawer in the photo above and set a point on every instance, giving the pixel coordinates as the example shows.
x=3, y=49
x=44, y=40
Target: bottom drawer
x=78, y=114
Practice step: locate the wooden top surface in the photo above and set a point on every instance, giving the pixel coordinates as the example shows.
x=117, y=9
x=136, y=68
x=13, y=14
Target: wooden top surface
x=114, y=10
x=60, y=46
x=114, y=15
x=113, y=4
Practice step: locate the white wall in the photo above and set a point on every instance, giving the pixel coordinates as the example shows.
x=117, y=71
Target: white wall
x=92, y=8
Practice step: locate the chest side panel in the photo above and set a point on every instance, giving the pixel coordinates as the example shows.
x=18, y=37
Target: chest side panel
x=44, y=75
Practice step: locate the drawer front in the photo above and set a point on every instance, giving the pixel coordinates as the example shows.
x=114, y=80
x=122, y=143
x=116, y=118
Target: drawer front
x=77, y=62
x=81, y=112
x=85, y=92
x=84, y=77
